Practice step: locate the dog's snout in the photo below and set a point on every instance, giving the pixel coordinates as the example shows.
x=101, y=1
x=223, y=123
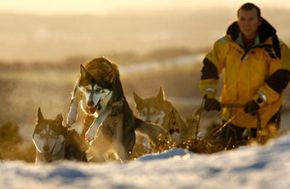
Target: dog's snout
x=90, y=103
x=46, y=148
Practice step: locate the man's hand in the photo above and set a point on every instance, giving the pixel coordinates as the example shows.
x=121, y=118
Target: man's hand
x=251, y=107
x=211, y=104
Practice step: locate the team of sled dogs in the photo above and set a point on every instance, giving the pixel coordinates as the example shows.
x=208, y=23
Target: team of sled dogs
x=110, y=131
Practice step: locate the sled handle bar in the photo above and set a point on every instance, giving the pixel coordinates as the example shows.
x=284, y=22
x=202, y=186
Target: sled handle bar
x=219, y=129
x=201, y=108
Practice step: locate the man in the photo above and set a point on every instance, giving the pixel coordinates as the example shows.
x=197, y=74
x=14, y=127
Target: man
x=256, y=71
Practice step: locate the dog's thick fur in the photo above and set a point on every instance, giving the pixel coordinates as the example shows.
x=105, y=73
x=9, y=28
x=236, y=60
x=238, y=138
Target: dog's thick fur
x=53, y=141
x=109, y=124
x=160, y=111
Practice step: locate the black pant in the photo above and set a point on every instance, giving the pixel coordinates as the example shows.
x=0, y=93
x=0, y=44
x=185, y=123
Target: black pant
x=232, y=136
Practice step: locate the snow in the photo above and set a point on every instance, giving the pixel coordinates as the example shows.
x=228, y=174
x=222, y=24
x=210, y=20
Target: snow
x=247, y=167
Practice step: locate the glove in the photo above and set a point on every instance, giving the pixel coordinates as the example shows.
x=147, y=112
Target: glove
x=212, y=104
x=251, y=107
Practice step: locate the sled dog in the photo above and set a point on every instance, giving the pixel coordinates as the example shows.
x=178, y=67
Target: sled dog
x=109, y=123
x=54, y=142
x=160, y=111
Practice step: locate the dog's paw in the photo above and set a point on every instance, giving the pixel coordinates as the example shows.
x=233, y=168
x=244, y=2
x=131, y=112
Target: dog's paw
x=90, y=134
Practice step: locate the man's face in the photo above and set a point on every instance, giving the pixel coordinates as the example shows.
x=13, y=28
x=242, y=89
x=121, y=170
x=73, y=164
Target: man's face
x=248, y=22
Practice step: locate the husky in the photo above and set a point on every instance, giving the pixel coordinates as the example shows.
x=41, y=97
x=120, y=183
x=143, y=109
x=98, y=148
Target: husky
x=160, y=111
x=53, y=141
x=110, y=124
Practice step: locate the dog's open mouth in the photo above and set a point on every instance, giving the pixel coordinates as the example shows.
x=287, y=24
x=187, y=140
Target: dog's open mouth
x=47, y=156
x=93, y=109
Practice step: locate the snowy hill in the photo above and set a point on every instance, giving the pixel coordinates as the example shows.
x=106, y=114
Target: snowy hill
x=248, y=167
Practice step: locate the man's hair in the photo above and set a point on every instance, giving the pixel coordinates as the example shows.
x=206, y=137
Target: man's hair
x=250, y=6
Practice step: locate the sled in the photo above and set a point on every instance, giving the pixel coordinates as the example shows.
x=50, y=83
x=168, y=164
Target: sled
x=210, y=143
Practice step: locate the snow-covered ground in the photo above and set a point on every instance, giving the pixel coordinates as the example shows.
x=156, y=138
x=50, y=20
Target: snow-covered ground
x=248, y=167
x=251, y=167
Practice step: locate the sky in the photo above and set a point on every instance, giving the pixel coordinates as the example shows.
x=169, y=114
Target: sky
x=162, y=33
x=252, y=167
x=100, y=7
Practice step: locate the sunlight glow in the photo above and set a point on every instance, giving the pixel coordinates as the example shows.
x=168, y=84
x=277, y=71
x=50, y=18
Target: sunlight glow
x=113, y=6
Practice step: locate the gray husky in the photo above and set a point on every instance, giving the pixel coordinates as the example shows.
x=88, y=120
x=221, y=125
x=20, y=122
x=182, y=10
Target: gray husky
x=109, y=123
x=54, y=142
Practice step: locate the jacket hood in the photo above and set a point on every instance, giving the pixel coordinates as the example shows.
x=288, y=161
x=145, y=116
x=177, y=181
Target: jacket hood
x=265, y=30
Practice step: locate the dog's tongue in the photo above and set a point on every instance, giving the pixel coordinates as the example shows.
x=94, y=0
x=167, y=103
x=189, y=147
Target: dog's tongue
x=93, y=109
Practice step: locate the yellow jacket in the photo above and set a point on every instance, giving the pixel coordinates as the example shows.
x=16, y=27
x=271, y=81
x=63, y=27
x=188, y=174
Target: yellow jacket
x=249, y=73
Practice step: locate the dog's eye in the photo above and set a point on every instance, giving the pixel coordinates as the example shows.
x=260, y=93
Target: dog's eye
x=171, y=131
x=42, y=134
x=99, y=90
x=87, y=89
x=52, y=134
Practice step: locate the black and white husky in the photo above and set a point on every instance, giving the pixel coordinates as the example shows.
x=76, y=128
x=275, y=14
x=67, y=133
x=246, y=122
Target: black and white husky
x=53, y=141
x=109, y=123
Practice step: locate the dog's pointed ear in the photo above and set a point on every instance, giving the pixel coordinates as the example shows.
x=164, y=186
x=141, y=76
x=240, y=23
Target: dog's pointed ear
x=113, y=75
x=59, y=119
x=137, y=99
x=161, y=95
x=39, y=116
x=83, y=71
